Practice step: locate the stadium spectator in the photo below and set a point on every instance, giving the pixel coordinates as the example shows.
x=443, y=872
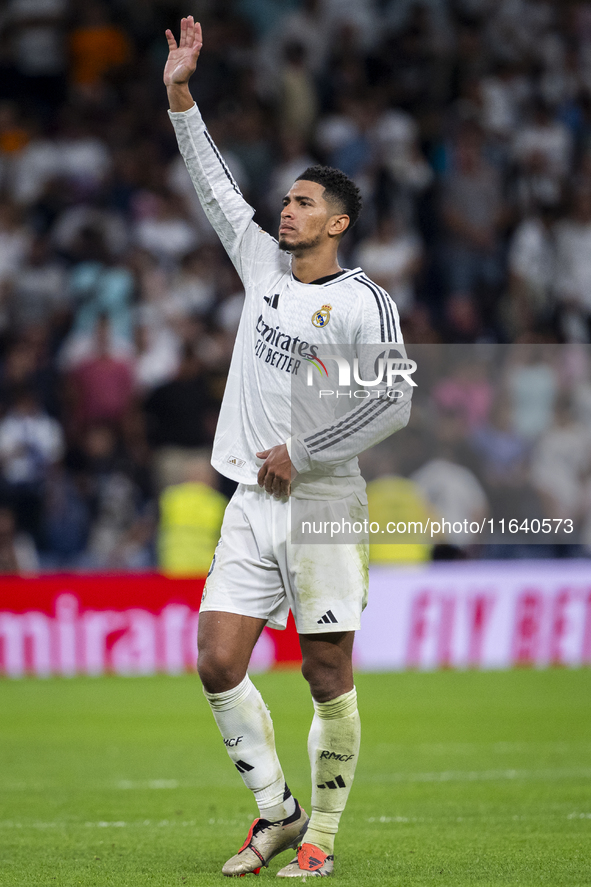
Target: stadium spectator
x=561, y=469
x=99, y=289
x=15, y=239
x=297, y=101
x=394, y=499
x=249, y=142
x=466, y=393
x=503, y=93
x=164, y=230
x=18, y=555
x=573, y=269
x=193, y=286
x=191, y=514
x=455, y=494
x=503, y=458
x=36, y=34
x=531, y=266
x=14, y=133
x=88, y=230
x=305, y=25
x=119, y=501
x=502, y=451
x=35, y=167
x=392, y=257
x=97, y=48
x=30, y=443
x=546, y=140
x=39, y=290
x=156, y=359
x=532, y=387
x=472, y=209
x=65, y=521
x=84, y=159
x=181, y=415
x=263, y=15
x=20, y=370
x=100, y=383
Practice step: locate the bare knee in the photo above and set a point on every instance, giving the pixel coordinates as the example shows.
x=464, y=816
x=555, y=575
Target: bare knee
x=327, y=664
x=328, y=678
x=225, y=642
x=218, y=671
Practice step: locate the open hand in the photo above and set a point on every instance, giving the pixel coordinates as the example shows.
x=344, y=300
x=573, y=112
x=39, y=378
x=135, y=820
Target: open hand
x=277, y=472
x=182, y=59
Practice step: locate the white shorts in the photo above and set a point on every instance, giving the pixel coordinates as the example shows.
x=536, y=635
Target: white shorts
x=257, y=571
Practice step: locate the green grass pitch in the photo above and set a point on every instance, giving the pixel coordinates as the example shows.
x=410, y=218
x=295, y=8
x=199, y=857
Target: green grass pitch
x=464, y=779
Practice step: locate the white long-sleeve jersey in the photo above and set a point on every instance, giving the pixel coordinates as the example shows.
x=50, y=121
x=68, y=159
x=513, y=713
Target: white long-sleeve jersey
x=285, y=324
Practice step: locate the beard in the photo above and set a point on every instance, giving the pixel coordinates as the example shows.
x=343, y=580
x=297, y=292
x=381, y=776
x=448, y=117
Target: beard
x=300, y=246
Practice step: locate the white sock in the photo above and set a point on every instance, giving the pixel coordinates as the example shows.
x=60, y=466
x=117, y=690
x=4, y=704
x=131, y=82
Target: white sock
x=333, y=747
x=247, y=730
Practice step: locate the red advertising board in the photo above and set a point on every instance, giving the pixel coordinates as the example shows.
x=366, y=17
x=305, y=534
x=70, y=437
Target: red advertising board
x=124, y=623
x=456, y=615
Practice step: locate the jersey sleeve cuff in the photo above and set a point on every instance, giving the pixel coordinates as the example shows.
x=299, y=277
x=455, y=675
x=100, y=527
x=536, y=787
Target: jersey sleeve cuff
x=177, y=115
x=298, y=455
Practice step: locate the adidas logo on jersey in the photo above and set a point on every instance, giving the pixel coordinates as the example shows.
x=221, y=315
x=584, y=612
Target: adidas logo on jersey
x=234, y=460
x=328, y=617
x=339, y=782
x=272, y=301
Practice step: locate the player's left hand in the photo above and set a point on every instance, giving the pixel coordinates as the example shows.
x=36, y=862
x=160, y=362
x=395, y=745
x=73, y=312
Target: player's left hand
x=277, y=472
x=182, y=58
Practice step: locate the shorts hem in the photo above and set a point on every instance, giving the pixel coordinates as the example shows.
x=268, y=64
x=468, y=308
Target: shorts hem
x=238, y=612
x=328, y=629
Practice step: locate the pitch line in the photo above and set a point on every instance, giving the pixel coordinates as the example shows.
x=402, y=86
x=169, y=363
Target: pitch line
x=480, y=775
x=396, y=777
x=192, y=823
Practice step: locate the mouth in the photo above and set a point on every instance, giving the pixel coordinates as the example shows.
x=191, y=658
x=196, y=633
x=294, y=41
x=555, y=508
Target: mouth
x=285, y=229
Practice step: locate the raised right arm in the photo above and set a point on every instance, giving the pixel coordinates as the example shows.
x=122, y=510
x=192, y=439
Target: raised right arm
x=220, y=196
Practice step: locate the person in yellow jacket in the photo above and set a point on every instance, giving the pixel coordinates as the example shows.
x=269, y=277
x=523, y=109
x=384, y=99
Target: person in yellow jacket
x=394, y=499
x=191, y=515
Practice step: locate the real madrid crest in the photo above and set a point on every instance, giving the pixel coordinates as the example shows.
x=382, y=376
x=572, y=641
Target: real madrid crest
x=321, y=317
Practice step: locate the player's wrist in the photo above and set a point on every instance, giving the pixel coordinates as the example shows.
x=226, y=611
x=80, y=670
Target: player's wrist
x=179, y=96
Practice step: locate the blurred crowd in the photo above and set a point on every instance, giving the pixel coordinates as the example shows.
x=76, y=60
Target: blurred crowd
x=466, y=124
x=499, y=436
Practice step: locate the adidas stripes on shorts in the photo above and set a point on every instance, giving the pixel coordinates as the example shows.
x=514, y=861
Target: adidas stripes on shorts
x=257, y=571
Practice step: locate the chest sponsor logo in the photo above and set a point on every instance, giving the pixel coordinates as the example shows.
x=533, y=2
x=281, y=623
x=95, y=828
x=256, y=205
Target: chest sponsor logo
x=279, y=349
x=321, y=317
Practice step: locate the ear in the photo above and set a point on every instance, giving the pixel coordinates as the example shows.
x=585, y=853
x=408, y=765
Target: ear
x=338, y=225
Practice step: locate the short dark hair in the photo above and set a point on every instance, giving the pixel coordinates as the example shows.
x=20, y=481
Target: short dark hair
x=339, y=188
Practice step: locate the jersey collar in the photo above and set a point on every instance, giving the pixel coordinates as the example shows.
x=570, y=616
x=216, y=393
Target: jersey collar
x=328, y=279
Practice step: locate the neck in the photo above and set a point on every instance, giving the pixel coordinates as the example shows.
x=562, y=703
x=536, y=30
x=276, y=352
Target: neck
x=314, y=264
